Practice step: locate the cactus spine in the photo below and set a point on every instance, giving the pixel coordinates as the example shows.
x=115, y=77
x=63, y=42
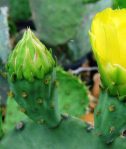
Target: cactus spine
x=32, y=77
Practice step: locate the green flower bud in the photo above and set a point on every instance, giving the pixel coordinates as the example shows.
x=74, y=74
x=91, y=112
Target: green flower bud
x=30, y=59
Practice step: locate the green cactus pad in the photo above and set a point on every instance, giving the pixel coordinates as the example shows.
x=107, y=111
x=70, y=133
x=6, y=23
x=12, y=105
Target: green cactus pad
x=110, y=117
x=71, y=134
x=73, y=98
x=73, y=103
x=38, y=99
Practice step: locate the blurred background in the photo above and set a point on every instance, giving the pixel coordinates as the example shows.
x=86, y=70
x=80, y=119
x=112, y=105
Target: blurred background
x=62, y=25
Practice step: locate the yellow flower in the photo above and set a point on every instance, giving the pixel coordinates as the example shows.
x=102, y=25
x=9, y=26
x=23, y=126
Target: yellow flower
x=108, y=39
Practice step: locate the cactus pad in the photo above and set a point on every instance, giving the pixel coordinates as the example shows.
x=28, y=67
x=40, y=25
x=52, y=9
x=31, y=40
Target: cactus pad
x=73, y=104
x=71, y=133
x=110, y=118
x=37, y=99
x=73, y=98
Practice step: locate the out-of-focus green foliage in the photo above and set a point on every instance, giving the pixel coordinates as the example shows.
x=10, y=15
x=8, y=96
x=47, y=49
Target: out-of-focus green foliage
x=19, y=10
x=3, y=3
x=80, y=45
x=57, y=21
x=119, y=4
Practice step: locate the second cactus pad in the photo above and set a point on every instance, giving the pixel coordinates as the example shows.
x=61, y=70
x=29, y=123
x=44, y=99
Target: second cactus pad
x=72, y=92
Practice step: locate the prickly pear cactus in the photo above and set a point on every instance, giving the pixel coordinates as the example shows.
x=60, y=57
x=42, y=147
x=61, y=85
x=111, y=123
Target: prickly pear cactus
x=58, y=21
x=111, y=112
x=32, y=78
x=55, y=131
x=72, y=99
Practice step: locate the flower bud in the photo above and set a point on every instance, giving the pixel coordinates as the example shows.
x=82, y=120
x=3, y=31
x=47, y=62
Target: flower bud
x=30, y=59
x=108, y=39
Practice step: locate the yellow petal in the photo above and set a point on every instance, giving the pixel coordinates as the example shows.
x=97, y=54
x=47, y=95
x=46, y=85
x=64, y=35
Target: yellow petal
x=108, y=39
